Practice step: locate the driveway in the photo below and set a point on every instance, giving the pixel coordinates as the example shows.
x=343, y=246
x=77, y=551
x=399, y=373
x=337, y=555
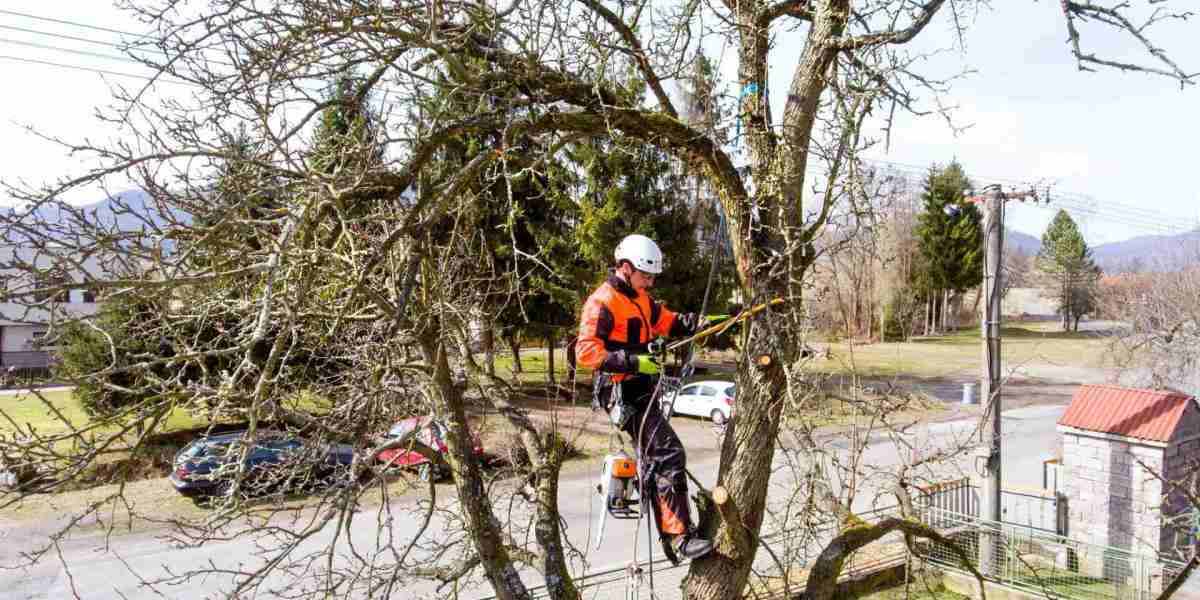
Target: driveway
x=114, y=567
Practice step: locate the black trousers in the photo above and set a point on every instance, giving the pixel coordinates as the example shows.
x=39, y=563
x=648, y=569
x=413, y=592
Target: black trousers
x=663, y=458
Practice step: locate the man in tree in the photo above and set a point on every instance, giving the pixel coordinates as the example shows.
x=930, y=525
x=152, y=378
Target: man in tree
x=619, y=321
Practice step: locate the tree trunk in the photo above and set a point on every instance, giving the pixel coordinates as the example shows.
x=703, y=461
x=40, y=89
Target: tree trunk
x=946, y=310
x=775, y=341
x=488, y=340
x=550, y=359
x=479, y=519
x=926, y=331
x=571, y=373
x=514, y=346
x=978, y=299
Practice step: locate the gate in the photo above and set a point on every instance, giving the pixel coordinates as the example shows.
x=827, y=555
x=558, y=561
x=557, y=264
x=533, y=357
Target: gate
x=1037, y=508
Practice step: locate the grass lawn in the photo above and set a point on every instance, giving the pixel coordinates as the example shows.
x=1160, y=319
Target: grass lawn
x=960, y=353
x=915, y=592
x=30, y=410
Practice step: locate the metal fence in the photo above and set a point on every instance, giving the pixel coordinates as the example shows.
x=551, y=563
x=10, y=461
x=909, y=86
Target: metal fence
x=780, y=567
x=1038, y=508
x=1029, y=559
x=1045, y=564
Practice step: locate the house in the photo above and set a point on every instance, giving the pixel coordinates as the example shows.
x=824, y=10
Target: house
x=1124, y=451
x=29, y=313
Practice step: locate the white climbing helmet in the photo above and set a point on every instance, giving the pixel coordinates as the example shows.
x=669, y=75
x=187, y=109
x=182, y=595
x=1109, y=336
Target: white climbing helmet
x=642, y=252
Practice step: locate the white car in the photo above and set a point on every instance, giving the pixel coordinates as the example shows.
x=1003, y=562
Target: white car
x=712, y=399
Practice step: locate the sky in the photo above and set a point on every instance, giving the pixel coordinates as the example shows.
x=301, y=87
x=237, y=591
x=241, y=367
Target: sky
x=1118, y=150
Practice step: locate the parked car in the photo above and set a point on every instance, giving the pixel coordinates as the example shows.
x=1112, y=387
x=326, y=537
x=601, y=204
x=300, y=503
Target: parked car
x=712, y=399
x=208, y=466
x=430, y=432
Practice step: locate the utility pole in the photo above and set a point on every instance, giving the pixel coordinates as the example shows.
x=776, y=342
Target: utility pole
x=992, y=202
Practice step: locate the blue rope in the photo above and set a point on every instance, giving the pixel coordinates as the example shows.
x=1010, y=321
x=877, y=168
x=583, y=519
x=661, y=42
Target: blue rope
x=749, y=88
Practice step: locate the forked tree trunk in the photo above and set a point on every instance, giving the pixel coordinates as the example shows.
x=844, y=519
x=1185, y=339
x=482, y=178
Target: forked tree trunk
x=775, y=340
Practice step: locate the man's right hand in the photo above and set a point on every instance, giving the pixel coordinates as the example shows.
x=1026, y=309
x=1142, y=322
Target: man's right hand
x=647, y=365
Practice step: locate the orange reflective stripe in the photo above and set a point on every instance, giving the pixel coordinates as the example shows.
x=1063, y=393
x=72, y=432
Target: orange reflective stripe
x=670, y=522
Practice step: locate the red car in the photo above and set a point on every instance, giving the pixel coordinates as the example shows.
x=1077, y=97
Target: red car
x=432, y=433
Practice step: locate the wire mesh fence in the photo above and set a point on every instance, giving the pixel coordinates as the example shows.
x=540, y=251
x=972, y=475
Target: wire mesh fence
x=1046, y=564
x=1030, y=559
x=780, y=567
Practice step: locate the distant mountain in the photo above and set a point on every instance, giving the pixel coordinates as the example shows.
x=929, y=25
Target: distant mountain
x=1023, y=242
x=1149, y=253
x=1145, y=253
x=128, y=211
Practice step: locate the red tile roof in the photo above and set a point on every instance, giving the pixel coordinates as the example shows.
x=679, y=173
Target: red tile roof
x=1143, y=414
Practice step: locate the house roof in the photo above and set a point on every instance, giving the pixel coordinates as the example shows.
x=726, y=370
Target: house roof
x=1143, y=414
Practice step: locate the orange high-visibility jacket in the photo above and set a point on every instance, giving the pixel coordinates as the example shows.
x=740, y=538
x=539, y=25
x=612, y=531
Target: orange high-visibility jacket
x=613, y=327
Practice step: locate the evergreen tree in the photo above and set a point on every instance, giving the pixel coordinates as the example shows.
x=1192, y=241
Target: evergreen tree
x=951, y=245
x=347, y=136
x=1071, y=275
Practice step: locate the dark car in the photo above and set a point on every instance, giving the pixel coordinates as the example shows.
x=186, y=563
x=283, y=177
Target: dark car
x=273, y=461
x=430, y=432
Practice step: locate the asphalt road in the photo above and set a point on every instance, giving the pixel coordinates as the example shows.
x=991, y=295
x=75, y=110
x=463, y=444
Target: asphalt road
x=117, y=567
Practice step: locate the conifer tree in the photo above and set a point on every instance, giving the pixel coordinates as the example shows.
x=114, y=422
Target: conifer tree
x=951, y=245
x=1071, y=275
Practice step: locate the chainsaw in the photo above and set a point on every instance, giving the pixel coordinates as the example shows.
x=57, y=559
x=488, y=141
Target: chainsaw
x=618, y=482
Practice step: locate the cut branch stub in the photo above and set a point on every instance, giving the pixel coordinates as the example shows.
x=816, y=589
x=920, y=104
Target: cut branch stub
x=763, y=361
x=739, y=536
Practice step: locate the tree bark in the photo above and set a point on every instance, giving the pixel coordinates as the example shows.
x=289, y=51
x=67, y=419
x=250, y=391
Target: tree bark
x=572, y=374
x=481, y=523
x=927, y=312
x=488, y=340
x=945, y=310
x=550, y=359
x=749, y=445
x=514, y=346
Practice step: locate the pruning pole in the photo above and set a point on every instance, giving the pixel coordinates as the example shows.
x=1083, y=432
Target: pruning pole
x=722, y=327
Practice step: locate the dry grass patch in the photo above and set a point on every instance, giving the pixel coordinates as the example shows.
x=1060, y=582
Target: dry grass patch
x=960, y=353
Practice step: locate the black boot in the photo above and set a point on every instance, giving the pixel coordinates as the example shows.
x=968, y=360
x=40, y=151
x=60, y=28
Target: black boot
x=688, y=546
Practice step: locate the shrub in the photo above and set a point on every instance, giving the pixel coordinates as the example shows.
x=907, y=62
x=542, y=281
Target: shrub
x=106, y=343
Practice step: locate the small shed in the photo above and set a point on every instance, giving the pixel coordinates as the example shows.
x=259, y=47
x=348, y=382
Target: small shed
x=1114, y=441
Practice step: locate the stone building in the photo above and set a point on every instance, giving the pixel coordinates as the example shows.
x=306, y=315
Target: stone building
x=1114, y=442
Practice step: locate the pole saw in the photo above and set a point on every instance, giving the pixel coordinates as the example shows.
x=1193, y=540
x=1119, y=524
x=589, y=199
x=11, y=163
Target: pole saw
x=720, y=328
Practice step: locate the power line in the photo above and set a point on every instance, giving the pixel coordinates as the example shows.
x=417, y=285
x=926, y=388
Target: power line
x=73, y=38
x=72, y=23
x=1115, y=208
x=95, y=70
x=1110, y=211
x=122, y=46
x=1107, y=211
x=69, y=51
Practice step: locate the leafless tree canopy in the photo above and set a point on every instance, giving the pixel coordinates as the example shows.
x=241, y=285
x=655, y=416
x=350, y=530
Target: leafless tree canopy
x=333, y=294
